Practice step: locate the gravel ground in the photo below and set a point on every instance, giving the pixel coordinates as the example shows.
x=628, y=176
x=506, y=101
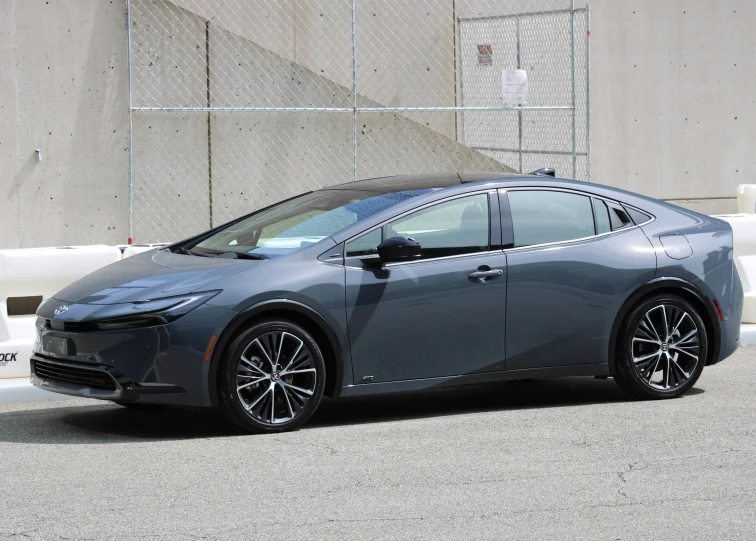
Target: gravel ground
x=569, y=458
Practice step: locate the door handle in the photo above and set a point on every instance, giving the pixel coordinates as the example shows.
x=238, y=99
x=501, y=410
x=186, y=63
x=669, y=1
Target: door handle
x=484, y=276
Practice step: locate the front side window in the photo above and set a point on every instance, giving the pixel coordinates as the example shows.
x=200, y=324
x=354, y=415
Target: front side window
x=459, y=226
x=542, y=216
x=295, y=224
x=365, y=245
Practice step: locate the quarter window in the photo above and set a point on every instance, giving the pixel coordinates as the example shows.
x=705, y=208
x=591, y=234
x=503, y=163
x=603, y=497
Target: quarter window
x=542, y=216
x=459, y=226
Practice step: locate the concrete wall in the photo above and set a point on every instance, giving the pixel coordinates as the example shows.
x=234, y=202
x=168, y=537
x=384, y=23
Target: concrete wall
x=674, y=98
x=673, y=109
x=186, y=59
x=62, y=88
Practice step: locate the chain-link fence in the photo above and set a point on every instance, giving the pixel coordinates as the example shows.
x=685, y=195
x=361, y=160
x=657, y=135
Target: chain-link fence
x=235, y=104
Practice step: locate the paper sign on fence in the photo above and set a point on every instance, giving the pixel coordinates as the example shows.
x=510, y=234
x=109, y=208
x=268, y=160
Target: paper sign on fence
x=514, y=87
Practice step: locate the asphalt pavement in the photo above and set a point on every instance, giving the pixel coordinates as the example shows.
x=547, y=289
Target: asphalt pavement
x=570, y=458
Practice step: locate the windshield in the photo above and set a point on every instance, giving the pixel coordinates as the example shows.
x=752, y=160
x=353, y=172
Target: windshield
x=297, y=223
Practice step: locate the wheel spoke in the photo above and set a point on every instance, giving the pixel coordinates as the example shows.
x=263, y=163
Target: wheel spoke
x=667, y=370
x=682, y=318
x=302, y=371
x=288, y=402
x=300, y=390
x=249, y=383
x=265, y=352
x=678, y=367
x=686, y=338
x=646, y=365
x=652, y=327
x=688, y=353
x=253, y=366
x=248, y=407
x=645, y=357
x=273, y=404
x=656, y=366
x=280, y=345
x=643, y=327
x=647, y=341
x=294, y=356
x=666, y=324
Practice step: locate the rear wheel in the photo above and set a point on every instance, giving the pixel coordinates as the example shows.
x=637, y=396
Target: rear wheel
x=272, y=377
x=662, y=349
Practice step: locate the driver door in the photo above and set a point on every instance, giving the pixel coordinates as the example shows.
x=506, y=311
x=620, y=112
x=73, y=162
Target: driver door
x=431, y=317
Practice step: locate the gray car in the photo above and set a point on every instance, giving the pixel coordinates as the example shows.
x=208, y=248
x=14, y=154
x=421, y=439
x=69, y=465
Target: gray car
x=401, y=284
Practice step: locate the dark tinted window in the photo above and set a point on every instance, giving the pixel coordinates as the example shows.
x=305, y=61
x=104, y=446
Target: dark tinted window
x=542, y=216
x=603, y=222
x=365, y=245
x=459, y=226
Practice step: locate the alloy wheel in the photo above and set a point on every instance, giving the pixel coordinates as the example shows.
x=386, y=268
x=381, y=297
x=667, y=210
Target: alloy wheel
x=666, y=347
x=275, y=377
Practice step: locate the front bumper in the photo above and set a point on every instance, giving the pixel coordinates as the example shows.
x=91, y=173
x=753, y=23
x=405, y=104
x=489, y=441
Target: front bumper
x=91, y=380
x=162, y=364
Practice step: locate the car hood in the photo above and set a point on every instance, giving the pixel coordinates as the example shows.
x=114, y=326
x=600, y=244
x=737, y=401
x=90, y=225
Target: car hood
x=150, y=275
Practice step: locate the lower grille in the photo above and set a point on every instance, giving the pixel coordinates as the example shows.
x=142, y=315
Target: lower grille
x=71, y=373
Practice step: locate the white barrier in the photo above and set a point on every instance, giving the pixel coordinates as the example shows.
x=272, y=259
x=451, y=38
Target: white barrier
x=28, y=276
x=744, y=254
x=747, y=198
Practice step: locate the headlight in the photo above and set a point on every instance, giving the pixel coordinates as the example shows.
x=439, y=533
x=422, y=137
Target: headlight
x=150, y=312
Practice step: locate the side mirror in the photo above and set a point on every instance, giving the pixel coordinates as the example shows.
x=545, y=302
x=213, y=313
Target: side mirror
x=397, y=249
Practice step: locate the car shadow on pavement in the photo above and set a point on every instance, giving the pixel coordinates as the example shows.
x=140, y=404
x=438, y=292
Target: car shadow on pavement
x=109, y=423
x=524, y=394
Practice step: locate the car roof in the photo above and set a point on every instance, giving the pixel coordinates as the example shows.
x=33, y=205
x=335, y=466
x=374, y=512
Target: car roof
x=405, y=183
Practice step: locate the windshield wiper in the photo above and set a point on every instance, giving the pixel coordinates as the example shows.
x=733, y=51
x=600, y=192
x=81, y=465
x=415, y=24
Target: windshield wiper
x=182, y=250
x=241, y=255
x=223, y=255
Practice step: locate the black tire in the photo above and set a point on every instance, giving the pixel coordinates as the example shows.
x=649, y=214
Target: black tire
x=255, y=387
x=651, y=364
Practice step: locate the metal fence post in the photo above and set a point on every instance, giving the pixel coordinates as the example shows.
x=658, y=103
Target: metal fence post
x=574, y=90
x=588, y=90
x=354, y=93
x=519, y=113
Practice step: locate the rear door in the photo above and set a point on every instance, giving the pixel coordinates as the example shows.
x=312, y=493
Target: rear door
x=442, y=315
x=571, y=265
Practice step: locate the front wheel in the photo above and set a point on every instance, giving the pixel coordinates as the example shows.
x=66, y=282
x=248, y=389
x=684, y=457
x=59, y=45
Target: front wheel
x=272, y=377
x=662, y=350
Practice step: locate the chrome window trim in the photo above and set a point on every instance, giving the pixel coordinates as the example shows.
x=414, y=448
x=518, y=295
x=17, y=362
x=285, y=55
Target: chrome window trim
x=489, y=191
x=571, y=241
x=432, y=259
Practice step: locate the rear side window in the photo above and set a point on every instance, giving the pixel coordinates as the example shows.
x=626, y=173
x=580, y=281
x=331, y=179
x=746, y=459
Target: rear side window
x=542, y=216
